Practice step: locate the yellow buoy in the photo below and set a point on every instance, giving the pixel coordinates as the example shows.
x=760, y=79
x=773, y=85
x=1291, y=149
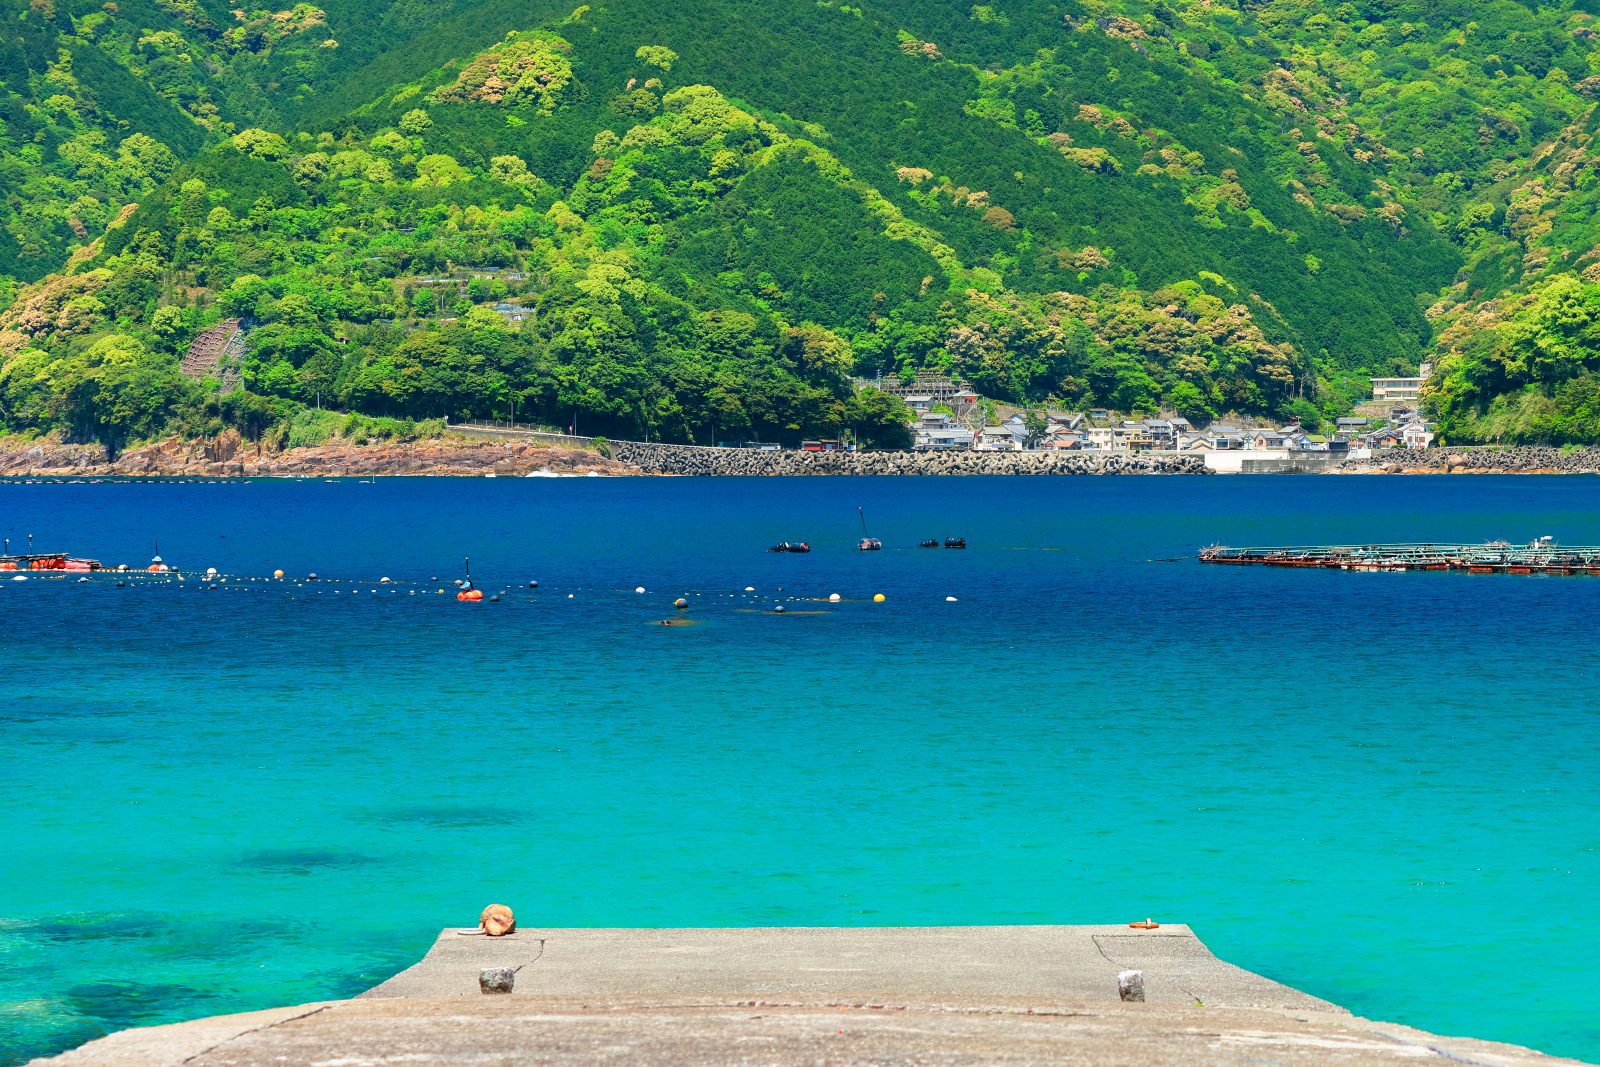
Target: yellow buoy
x=878, y=598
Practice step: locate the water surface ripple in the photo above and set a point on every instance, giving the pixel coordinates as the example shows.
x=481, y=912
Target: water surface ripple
x=1380, y=788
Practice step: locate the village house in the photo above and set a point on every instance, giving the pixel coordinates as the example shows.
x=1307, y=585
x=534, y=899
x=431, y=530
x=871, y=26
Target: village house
x=1162, y=434
x=1100, y=438
x=1228, y=438
x=1001, y=438
x=1135, y=437
x=1387, y=389
x=1062, y=436
x=1416, y=435
x=938, y=432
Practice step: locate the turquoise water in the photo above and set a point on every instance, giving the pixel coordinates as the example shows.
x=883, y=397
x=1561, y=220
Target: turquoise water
x=1381, y=788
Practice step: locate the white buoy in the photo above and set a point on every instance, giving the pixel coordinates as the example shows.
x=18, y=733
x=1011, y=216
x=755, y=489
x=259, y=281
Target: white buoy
x=949, y=600
x=569, y=596
x=834, y=598
x=749, y=589
x=640, y=589
x=384, y=580
x=210, y=571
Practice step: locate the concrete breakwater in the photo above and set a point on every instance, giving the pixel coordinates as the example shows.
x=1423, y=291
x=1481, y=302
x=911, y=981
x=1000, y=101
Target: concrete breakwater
x=1480, y=459
x=728, y=997
x=693, y=460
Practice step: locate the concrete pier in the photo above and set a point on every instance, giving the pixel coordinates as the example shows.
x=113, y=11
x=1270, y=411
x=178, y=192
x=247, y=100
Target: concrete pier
x=934, y=995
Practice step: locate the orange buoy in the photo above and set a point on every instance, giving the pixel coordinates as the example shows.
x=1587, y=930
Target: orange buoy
x=497, y=920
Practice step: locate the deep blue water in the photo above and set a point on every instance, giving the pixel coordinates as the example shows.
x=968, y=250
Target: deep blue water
x=1381, y=788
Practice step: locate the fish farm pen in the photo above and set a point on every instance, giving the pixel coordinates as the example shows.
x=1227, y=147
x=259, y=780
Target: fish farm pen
x=1495, y=557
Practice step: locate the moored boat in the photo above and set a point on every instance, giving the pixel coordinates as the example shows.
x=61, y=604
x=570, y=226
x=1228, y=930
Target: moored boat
x=868, y=543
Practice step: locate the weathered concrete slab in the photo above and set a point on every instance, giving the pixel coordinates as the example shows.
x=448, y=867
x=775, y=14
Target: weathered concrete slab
x=500, y=1030
x=993, y=966
x=931, y=995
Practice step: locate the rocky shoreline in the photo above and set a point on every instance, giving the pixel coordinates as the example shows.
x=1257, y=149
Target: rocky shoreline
x=1480, y=459
x=226, y=456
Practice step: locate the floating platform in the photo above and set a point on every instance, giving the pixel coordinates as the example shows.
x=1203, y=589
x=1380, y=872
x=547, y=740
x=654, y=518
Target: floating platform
x=47, y=561
x=1494, y=557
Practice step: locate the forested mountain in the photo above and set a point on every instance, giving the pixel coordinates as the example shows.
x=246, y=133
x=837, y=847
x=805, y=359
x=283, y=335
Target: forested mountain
x=707, y=218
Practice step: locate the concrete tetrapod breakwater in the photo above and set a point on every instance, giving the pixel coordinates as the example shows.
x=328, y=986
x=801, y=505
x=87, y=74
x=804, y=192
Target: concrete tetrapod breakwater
x=1478, y=459
x=699, y=460
x=930, y=995
x=658, y=458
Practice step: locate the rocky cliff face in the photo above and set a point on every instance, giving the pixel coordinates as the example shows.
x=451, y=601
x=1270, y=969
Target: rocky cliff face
x=227, y=456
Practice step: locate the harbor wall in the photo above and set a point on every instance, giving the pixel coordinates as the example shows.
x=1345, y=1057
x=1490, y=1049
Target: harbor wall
x=697, y=460
x=1479, y=459
x=660, y=458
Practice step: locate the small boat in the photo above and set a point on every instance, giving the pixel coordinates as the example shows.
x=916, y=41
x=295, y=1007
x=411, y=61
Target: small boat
x=932, y=542
x=955, y=542
x=868, y=543
x=790, y=546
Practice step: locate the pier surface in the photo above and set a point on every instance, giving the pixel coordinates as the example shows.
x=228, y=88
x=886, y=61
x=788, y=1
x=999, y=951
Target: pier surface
x=934, y=995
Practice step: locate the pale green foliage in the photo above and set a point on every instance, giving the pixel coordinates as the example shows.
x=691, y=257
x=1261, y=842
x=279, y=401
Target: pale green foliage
x=656, y=55
x=525, y=69
x=512, y=170
x=439, y=171
x=261, y=143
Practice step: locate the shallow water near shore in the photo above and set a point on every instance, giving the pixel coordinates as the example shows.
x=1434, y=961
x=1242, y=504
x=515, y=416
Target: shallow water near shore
x=1379, y=788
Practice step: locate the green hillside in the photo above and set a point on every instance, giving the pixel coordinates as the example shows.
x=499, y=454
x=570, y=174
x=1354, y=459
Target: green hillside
x=710, y=217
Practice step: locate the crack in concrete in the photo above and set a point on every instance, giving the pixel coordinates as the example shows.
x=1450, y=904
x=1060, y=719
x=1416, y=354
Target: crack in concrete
x=1454, y=1057
x=256, y=1029
x=535, y=959
x=1102, y=950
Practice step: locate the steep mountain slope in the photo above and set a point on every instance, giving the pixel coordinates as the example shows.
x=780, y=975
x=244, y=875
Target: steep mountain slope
x=711, y=215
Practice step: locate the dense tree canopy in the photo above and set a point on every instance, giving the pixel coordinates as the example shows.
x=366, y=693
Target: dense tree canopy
x=702, y=222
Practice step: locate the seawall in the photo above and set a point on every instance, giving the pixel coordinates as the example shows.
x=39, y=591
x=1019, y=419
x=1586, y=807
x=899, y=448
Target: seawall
x=658, y=458
x=1479, y=459
x=692, y=460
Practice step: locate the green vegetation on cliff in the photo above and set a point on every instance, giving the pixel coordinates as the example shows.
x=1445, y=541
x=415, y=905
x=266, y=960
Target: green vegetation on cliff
x=706, y=219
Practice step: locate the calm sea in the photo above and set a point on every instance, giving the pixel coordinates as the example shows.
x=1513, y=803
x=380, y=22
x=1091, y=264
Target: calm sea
x=1381, y=788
